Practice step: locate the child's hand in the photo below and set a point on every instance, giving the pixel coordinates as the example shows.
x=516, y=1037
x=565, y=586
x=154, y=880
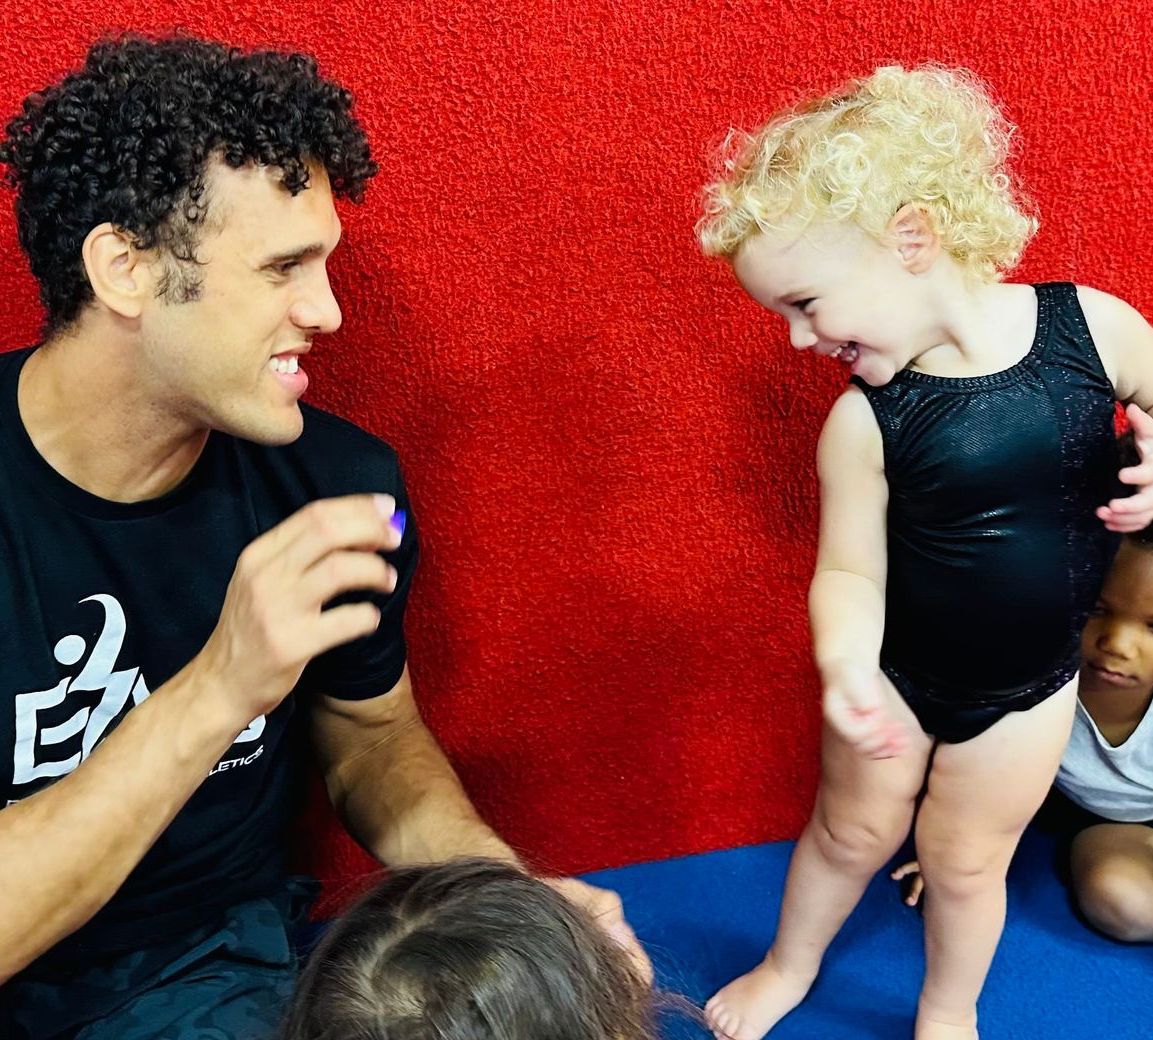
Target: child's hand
x=916, y=886
x=854, y=705
x=1135, y=512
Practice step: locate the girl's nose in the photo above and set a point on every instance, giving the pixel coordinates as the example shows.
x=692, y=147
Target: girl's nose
x=801, y=335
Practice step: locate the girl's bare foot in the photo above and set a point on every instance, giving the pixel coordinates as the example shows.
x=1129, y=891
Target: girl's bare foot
x=748, y=1007
x=932, y=1027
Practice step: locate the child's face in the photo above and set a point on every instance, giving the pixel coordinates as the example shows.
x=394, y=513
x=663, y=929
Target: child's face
x=1117, y=645
x=842, y=292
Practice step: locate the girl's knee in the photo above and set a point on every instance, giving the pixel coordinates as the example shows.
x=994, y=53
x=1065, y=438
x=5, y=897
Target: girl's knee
x=857, y=845
x=959, y=868
x=1118, y=902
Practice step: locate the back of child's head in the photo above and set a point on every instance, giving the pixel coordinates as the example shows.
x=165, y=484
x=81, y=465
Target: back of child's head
x=929, y=137
x=468, y=950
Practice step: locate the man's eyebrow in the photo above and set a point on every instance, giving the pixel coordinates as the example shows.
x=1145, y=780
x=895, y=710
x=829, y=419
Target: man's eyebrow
x=293, y=255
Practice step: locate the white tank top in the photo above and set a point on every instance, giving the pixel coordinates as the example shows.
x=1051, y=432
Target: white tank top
x=1114, y=782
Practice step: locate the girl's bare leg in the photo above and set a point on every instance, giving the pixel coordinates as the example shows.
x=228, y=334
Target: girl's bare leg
x=980, y=796
x=863, y=812
x=1112, y=866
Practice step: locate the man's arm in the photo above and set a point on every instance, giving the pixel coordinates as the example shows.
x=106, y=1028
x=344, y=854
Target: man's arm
x=65, y=850
x=399, y=796
x=393, y=786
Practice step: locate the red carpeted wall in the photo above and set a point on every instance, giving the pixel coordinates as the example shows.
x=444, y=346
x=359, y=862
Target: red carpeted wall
x=609, y=448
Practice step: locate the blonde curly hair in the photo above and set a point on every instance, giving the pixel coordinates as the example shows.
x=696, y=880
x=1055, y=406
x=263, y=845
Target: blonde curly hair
x=929, y=136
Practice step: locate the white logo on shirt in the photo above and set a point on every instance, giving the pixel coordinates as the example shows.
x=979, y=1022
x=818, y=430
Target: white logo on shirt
x=37, y=754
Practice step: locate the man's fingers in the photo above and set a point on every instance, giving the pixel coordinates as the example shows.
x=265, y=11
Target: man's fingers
x=326, y=525
x=604, y=906
x=341, y=625
x=622, y=934
x=346, y=571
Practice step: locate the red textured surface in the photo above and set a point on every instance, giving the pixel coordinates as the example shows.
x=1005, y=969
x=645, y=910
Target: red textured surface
x=608, y=446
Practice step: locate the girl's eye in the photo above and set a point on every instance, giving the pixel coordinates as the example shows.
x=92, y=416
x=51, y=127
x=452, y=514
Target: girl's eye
x=804, y=305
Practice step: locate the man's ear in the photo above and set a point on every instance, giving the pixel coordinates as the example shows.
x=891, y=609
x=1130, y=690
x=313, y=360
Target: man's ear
x=915, y=239
x=122, y=276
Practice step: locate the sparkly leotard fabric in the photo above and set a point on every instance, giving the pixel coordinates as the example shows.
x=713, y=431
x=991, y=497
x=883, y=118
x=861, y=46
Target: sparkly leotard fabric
x=995, y=554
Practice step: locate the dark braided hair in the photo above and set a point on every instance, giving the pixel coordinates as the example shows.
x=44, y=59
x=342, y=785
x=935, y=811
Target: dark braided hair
x=128, y=139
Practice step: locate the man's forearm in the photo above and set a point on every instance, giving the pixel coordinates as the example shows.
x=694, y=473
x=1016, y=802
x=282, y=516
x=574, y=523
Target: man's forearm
x=67, y=849
x=404, y=803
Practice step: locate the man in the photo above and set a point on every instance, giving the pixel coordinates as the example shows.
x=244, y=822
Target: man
x=197, y=570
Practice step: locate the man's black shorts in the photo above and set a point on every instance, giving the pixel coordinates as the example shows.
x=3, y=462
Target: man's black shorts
x=230, y=981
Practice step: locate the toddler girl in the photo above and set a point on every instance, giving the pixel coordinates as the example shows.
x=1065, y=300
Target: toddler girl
x=964, y=477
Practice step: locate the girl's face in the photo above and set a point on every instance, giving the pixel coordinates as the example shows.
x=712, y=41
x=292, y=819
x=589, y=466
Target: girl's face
x=1117, y=644
x=843, y=293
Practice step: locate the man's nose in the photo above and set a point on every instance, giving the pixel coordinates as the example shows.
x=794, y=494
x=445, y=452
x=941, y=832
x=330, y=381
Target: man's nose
x=317, y=309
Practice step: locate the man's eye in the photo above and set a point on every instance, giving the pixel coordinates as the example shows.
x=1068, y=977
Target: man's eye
x=287, y=267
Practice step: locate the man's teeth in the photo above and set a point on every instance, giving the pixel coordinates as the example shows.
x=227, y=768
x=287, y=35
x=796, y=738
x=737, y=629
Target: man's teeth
x=285, y=366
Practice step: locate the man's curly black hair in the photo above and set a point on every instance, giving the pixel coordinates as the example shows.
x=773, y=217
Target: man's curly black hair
x=128, y=139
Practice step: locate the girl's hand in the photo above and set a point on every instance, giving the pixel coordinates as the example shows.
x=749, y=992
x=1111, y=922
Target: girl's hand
x=854, y=706
x=1135, y=512
x=916, y=886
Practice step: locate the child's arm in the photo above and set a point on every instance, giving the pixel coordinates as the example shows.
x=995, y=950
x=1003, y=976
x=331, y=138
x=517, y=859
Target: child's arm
x=847, y=596
x=1124, y=340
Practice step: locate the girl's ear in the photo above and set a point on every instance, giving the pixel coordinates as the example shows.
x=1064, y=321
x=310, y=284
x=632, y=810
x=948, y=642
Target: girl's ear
x=915, y=239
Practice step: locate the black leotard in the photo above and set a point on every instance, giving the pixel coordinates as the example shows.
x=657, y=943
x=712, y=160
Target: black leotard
x=995, y=554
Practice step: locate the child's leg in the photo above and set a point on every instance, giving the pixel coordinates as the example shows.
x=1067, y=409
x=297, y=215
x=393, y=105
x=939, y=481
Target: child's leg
x=980, y=796
x=1112, y=867
x=862, y=814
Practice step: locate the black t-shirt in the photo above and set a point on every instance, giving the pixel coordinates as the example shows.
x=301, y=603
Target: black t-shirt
x=102, y=602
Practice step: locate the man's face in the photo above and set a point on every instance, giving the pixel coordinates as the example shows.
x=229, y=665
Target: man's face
x=231, y=359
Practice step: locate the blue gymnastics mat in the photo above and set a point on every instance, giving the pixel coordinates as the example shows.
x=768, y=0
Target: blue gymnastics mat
x=708, y=918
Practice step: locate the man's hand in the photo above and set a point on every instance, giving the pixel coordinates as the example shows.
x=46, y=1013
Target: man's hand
x=854, y=706
x=273, y=622
x=1134, y=513
x=606, y=909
